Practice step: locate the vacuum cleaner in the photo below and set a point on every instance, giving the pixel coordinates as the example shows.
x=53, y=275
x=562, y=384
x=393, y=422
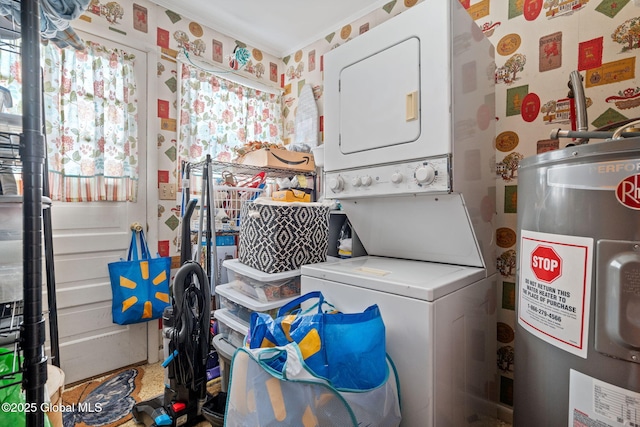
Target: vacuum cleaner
x=186, y=325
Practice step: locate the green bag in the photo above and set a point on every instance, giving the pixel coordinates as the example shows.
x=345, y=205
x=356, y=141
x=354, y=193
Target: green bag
x=11, y=395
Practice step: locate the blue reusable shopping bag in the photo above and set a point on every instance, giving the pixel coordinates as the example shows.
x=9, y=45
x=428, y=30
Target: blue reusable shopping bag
x=347, y=349
x=140, y=286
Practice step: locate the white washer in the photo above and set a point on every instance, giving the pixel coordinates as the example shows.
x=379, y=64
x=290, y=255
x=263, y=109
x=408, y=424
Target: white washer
x=438, y=321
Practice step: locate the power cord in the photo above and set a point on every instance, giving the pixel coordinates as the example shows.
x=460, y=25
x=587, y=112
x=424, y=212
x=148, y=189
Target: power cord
x=190, y=337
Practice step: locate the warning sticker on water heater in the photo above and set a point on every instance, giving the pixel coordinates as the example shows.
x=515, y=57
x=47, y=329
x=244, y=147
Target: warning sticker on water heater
x=554, y=289
x=596, y=403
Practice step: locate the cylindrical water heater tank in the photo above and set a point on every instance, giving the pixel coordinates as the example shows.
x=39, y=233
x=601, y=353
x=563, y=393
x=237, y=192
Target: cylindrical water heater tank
x=577, y=346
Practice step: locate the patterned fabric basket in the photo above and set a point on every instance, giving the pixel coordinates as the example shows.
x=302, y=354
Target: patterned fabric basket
x=278, y=237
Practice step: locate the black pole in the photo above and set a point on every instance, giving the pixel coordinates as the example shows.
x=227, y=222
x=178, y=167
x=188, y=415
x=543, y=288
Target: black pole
x=207, y=203
x=32, y=155
x=52, y=304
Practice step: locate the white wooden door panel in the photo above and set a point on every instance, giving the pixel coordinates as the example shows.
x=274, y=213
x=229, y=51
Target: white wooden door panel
x=90, y=242
x=105, y=214
x=84, y=266
x=82, y=295
x=80, y=355
x=86, y=238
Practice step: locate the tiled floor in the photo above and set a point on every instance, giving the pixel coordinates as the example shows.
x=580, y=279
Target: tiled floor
x=152, y=386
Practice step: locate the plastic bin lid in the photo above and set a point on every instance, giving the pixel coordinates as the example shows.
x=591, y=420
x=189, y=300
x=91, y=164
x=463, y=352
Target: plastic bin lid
x=229, y=291
x=228, y=319
x=245, y=270
x=224, y=348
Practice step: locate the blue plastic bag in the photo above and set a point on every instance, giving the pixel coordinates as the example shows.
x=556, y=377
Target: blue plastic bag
x=140, y=286
x=347, y=349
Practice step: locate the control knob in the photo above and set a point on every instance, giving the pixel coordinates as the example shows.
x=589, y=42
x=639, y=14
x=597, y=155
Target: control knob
x=356, y=182
x=397, y=178
x=366, y=180
x=424, y=174
x=336, y=184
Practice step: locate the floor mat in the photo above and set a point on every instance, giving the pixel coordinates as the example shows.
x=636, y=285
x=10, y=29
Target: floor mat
x=104, y=402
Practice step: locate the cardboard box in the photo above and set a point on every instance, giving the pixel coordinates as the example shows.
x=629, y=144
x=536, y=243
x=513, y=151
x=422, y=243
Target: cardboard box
x=223, y=252
x=276, y=158
x=292, y=195
x=55, y=387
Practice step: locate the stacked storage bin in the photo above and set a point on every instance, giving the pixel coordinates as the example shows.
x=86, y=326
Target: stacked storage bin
x=251, y=290
x=248, y=290
x=276, y=239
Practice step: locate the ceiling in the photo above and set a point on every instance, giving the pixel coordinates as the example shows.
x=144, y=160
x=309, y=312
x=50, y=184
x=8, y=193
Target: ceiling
x=277, y=27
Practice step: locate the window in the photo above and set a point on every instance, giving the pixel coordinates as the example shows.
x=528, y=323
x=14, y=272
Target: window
x=91, y=123
x=217, y=115
x=90, y=119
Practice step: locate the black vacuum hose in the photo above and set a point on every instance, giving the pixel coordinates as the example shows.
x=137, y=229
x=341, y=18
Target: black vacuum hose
x=191, y=336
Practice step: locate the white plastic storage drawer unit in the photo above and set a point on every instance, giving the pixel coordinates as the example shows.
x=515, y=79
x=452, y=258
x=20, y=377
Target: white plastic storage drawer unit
x=241, y=305
x=264, y=287
x=230, y=327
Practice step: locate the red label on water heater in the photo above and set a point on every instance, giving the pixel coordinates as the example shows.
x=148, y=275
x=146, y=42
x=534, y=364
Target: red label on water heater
x=628, y=192
x=546, y=264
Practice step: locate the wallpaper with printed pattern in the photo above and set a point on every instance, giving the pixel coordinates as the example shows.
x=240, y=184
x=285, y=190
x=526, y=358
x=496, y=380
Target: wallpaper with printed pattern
x=538, y=43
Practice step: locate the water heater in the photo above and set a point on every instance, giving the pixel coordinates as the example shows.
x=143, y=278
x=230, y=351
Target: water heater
x=577, y=359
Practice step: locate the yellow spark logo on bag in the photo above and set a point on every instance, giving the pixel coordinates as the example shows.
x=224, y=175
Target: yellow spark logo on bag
x=132, y=283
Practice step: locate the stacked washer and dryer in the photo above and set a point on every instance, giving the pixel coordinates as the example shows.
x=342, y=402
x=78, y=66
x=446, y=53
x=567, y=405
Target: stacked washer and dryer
x=409, y=131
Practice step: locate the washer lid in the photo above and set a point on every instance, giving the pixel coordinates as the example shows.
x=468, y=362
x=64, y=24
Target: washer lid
x=414, y=279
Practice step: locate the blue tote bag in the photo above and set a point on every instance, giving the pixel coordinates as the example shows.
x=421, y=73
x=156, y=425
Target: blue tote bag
x=139, y=284
x=347, y=349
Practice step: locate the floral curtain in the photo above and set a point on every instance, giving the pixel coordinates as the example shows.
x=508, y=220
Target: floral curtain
x=11, y=79
x=11, y=100
x=91, y=123
x=217, y=115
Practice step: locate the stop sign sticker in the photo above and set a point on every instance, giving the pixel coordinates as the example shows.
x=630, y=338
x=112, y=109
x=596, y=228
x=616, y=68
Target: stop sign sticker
x=546, y=264
x=554, y=288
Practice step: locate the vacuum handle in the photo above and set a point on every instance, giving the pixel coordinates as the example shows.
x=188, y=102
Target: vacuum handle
x=185, y=242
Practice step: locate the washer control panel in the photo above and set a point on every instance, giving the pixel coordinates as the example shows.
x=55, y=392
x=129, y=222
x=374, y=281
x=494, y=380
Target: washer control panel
x=431, y=175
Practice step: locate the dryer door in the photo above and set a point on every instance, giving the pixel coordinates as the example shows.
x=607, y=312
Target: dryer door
x=387, y=92
x=382, y=91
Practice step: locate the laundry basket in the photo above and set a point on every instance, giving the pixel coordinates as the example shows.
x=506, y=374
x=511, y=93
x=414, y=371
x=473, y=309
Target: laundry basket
x=291, y=395
x=227, y=202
